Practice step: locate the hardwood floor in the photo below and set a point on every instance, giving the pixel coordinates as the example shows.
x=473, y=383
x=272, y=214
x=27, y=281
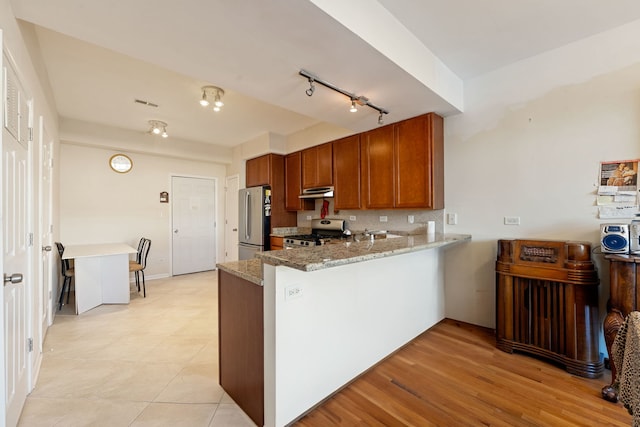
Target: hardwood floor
x=453, y=375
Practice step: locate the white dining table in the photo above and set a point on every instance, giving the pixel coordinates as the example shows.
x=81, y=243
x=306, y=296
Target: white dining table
x=101, y=274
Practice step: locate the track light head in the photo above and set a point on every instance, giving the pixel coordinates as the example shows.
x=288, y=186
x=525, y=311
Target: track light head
x=312, y=88
x=204, y=101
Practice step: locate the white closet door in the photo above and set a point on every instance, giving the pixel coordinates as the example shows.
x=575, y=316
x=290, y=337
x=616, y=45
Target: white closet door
x=193, y=216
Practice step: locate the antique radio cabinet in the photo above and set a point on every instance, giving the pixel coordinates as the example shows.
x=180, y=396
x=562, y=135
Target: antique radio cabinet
x=547, y=303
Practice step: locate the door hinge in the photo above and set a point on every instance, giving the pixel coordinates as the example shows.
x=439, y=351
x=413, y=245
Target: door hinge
x=30, y=239
x=31, y=134
x=29, y=345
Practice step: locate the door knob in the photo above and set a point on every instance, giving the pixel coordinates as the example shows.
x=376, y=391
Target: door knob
x=175, y=231
x=14, y=278
x=46, y=248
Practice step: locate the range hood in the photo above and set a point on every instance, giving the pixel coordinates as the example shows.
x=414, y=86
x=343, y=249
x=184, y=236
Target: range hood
x=317, y=193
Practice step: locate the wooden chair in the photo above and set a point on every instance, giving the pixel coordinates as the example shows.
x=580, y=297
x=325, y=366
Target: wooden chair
x=137, y=267
x=67, y=275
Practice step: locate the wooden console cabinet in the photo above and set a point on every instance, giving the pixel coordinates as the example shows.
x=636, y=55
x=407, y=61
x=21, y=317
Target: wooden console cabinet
x=547, y=303
x=624, y=298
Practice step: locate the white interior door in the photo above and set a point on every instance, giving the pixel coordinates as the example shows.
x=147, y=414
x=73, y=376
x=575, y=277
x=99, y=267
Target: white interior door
x=232, y=186
x=193, y=217
x=46, y=228
x=15, y=228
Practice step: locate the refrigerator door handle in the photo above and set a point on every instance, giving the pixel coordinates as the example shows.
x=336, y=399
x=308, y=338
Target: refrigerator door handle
x=247, y=215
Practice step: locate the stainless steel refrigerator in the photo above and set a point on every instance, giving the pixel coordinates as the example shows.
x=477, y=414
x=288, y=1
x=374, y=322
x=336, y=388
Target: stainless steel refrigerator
x=255, y=221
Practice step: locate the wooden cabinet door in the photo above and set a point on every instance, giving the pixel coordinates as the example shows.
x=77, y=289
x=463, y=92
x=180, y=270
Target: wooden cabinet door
x=377, y=168
x=346, y=173
x=309, y=158
x=317, y=166
x=324, y=163
x=419, y=160
x=412, y=155
x=419, y=163
x=258, y=171
x=293, y=184
x=277, y=243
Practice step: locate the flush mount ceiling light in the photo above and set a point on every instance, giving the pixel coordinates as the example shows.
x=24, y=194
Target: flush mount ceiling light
x=212, y=93
x=157, y=127
x=355, y=99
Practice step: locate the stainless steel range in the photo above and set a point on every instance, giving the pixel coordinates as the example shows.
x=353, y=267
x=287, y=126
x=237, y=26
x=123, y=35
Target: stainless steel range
x=323, y=231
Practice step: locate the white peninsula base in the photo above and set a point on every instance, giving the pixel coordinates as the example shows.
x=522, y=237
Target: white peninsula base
x=324, y=328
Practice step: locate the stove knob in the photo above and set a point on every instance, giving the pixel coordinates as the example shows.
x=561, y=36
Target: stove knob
x=306, y=243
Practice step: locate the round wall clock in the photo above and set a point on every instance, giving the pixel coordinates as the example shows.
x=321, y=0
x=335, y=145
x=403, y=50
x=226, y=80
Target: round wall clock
x=120, y=163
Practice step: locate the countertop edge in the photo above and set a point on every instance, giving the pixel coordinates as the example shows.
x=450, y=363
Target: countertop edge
x=247, y=270
x=396, y=246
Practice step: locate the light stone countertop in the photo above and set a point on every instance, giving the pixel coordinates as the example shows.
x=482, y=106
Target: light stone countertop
x=250, y=269
x=335, y=254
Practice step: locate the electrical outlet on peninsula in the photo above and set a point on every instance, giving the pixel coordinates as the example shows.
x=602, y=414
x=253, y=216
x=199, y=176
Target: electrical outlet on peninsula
x=292, y=292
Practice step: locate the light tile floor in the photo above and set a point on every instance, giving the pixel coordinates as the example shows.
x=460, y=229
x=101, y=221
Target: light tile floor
x=153, y=362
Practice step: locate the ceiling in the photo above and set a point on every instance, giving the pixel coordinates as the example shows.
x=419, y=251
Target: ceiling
x=101, y=56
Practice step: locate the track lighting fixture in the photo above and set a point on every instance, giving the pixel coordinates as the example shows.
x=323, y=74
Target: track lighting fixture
x=312, y=88
x=212, y=92
x=355, y=99
x=158, y=127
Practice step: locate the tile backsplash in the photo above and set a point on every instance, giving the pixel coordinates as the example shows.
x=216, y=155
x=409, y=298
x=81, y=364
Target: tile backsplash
x=397, y=219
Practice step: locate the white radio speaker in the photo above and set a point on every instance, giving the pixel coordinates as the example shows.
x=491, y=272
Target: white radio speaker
x=634, y=237
x=614, y=238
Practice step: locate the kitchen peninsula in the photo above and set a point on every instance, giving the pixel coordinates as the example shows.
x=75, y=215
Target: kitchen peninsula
x=331, y=312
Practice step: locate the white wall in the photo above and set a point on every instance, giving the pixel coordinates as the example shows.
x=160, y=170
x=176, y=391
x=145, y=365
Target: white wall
x=529, y=145
x=98, y=205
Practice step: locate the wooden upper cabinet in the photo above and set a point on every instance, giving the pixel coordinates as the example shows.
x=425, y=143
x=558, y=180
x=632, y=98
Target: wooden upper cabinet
x=419, y=155
x=317, y=169
x=346, y=173
x=270, y=170
x=258, y=171
x=403, y=164
x=293, y=184
x=377, y=168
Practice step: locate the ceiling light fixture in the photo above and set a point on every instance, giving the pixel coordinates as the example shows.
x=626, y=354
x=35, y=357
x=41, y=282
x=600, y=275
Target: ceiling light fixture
x=212, y=92
x=360, y=100
x=157, y=127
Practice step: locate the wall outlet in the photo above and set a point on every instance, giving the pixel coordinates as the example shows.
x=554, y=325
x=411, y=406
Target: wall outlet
x=410, y=219
x=292, y=292
x=511, y=220
x=352, y=218
x=308, y=217
x=452, y=218
x=383, y=218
